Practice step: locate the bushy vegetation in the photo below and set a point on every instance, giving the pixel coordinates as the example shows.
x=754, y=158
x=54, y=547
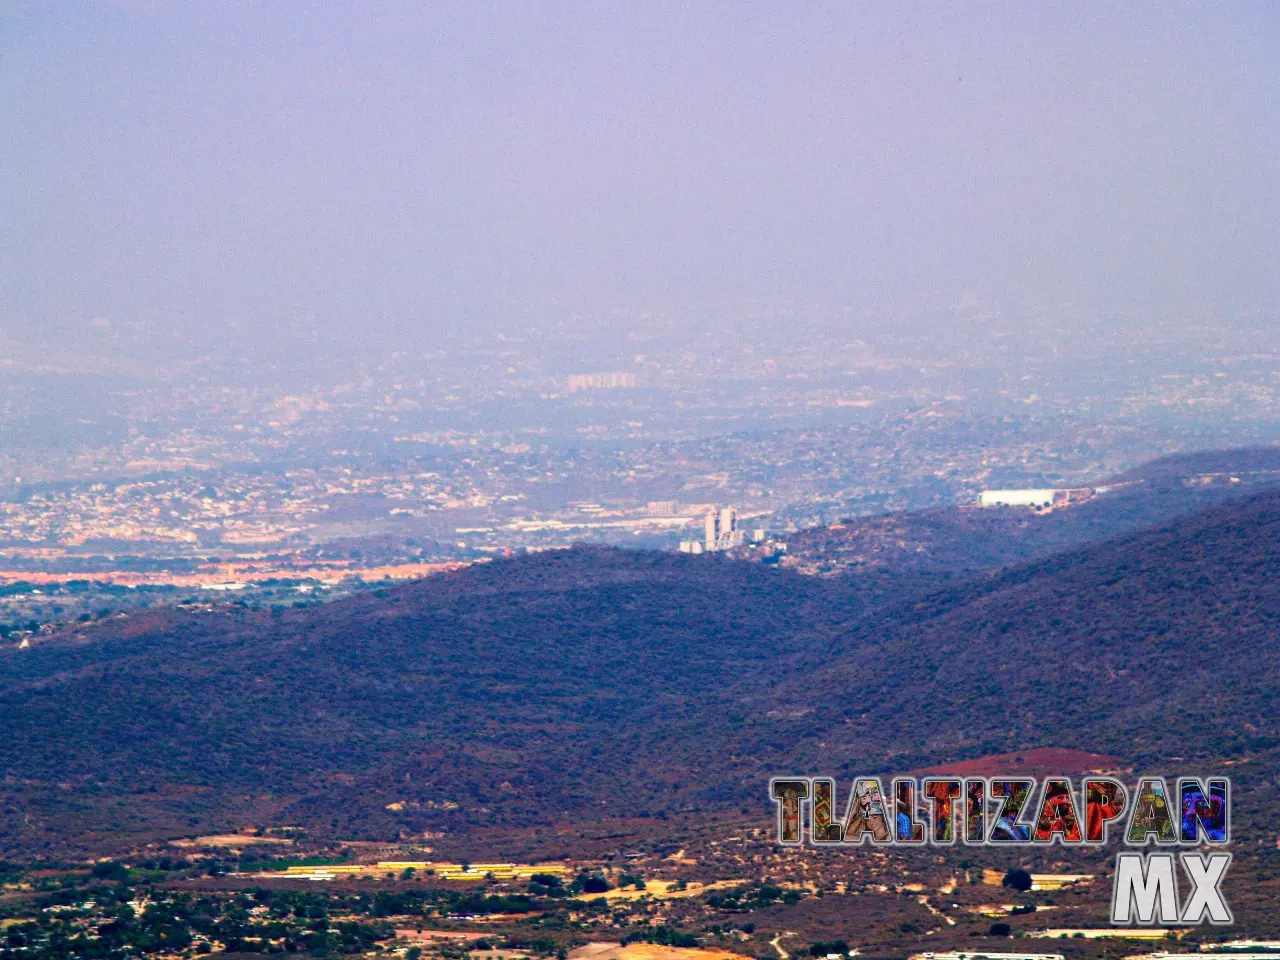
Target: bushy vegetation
x=594, y=682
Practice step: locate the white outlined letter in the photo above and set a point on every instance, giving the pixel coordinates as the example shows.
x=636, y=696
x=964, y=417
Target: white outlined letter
x=1206, y=872
x=1147, y=886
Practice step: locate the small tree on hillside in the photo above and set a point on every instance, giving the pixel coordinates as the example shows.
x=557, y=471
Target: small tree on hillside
x=1018, y=879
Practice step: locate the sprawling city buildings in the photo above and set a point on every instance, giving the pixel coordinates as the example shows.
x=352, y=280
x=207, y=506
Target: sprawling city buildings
x=200, y=477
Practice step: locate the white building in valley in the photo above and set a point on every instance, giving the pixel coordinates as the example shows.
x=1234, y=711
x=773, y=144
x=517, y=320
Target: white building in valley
x=1036, y=499
x=1016, y=498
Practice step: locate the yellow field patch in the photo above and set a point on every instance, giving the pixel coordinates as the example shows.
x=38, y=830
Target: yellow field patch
x=661, y=890
x=442, y=871
x=648, y=951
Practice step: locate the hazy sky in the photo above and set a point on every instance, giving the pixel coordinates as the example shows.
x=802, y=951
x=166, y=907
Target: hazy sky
x=190, y=165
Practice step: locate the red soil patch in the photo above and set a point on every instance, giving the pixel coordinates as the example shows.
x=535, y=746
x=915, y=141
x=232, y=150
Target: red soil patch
x=1038, y=762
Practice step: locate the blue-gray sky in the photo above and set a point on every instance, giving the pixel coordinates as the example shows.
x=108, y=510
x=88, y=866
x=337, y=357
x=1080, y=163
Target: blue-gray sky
x=195, y=166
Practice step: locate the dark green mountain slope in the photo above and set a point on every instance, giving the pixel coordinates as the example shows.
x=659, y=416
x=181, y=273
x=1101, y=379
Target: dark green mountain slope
x=529, y=688
x=1162, y=643
x=587, y=683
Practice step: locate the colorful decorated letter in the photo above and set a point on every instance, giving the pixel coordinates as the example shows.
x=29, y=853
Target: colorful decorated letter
x=907, y=829
x=1150, y=815
x=1204, y=810
x=823, y=829
x=1014, y=795
x=1058, y=814
x=975, y=811
x=1104, y=801
x=867, y=813
x=942, y=795
x=788, y=794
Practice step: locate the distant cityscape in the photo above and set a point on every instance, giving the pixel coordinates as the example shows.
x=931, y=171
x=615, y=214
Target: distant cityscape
x=185, y=478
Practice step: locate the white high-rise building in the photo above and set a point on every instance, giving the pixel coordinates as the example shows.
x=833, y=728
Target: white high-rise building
x=721, y=529
x=719, y=532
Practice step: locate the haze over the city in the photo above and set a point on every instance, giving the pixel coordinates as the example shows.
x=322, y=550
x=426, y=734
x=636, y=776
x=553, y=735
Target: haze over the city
x=315, y=179
x=335, y=290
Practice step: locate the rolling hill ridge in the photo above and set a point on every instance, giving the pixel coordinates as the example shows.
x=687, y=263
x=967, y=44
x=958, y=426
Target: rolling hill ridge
x=937, y=544
x=577, y=684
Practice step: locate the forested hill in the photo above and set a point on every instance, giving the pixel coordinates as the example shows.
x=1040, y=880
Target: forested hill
x=520, y=690
x=588, y=682
x=1159, y=644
